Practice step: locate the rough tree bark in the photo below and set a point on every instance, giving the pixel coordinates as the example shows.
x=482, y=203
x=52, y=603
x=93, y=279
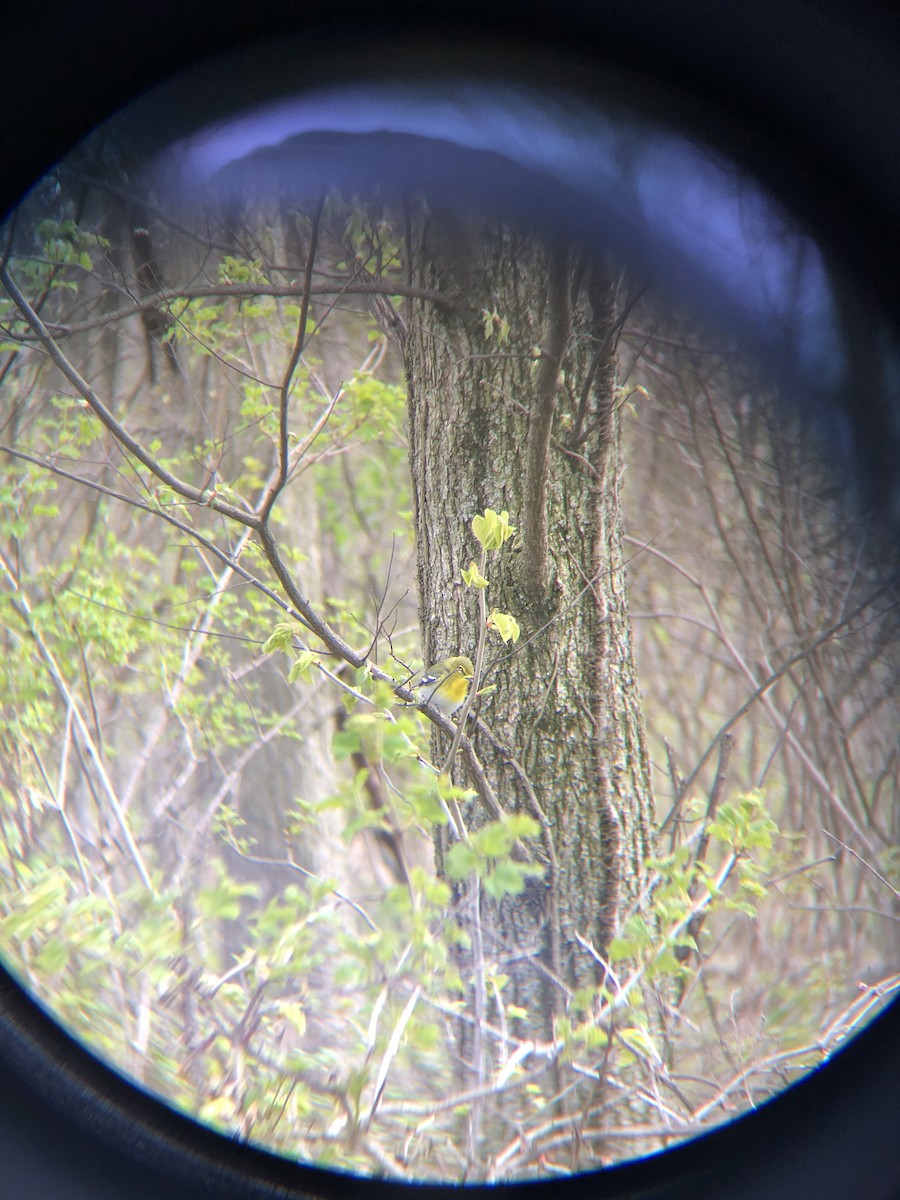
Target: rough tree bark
x=526, y=422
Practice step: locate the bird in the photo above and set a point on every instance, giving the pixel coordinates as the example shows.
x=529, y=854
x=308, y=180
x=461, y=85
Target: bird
x=445, y=684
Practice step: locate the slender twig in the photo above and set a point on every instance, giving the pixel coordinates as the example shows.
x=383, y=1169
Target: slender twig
x=760, y=691
x=23, y=606
x=476, y=1112
x=479, y=668
x=291, y=865
x=244, y=291
x=265, y=509
x=59, y=795
x=111, y=423
x=390, y=1052
x=859, y=858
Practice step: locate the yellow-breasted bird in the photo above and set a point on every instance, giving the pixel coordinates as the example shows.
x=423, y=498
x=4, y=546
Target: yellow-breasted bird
x=445, y=684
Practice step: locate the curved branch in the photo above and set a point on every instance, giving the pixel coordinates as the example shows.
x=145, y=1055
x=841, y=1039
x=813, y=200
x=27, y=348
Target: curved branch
x=186, y=490
x=183, y=527
x=281, y=474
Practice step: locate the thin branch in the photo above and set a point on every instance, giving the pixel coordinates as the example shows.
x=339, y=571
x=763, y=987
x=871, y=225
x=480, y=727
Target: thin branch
x=111, y=423
x=479, y=668
x=58, y=795
x=281, y=476
x=156, y=511
x=390, y=1052
x=291, y=865
x=860, y=859
x=66, y=694
x=760, y=690
x=246, y=291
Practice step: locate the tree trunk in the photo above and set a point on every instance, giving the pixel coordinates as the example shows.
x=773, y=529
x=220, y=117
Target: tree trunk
x=524, y=420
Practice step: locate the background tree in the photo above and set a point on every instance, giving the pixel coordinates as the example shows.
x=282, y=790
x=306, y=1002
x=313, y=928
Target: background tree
x=512, y=394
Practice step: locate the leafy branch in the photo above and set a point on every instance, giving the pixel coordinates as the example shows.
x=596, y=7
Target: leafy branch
x=491, y=530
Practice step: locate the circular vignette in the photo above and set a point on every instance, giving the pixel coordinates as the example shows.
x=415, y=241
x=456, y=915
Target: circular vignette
x=833, y=1134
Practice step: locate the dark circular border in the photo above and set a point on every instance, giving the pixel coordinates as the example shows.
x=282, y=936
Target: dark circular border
x=806, y=95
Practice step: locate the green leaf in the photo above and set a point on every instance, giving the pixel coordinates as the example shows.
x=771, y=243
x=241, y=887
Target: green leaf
x=640, y=1042
x=520, y=825
x=622, y=948
x=492, y=529
x=424, y=1036
x=362, y=733
x=474, y=578
x=592, y=1036
x=507, y=879
x=754, y=887
x=504, y=624
x=301, y=668
x=54, y=955
x=280, y=639
x=494, y=323
x=223, y=901
x=461, y=861
x=742, y=906
x=293, y=1012
x=665, y=963
x=494, y=839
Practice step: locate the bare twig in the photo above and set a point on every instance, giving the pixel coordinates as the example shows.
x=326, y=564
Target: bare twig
x=281, y=475
x=760, y=690
x=859, y=858
x=244, y=291
x=111, y=423
x=24, y=608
